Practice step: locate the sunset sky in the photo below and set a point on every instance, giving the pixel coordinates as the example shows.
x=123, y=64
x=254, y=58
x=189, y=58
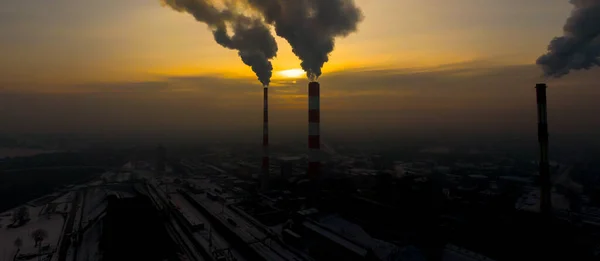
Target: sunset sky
x=113, y=40
x=412, y=62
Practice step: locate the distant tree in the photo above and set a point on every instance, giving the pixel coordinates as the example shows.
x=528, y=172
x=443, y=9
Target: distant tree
x=18, y=242
x=38, y=236
x=15, y=216
x=20, y=215
x=24, y=213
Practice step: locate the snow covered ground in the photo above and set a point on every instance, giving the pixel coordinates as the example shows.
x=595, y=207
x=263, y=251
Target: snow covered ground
x=49, y=217
x=358, y=235
x=95, y=204
x=90, y=244
x=51, y=223
x=117, y=177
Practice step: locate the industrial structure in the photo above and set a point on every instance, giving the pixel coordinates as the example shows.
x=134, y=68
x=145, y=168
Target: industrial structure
x=314, y=138
x=544, y=167
x=265, y=143
x=314, y=130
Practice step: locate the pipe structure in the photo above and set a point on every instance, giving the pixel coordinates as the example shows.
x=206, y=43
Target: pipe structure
x=544, y=167
x=314, y=135
x=265, y=143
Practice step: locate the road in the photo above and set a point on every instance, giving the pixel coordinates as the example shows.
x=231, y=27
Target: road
x=66, y=243
x=172, y=226
x=208, y=234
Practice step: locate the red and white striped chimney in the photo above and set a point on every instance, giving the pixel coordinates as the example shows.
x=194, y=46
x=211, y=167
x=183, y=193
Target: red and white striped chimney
x=314, y=133
x=265, y=159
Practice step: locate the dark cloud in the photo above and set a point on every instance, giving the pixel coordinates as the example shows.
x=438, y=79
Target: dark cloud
x=311, y=26
x=251, y=37
x=579, y=47
x=125, y=87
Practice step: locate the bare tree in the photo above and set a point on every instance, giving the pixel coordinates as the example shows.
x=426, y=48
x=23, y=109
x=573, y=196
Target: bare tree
x=20, y=216
x=24, y=213
x=38, y=236
x=18, y=243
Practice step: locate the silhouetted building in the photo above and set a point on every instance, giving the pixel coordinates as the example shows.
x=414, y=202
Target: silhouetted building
x=287, y=165
x=161, y=158
x=377, y=161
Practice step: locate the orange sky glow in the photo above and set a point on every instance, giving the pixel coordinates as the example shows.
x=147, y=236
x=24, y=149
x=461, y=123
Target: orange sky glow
x=411, y=62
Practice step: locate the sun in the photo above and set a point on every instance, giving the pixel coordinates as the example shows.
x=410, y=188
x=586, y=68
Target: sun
x=292, y=73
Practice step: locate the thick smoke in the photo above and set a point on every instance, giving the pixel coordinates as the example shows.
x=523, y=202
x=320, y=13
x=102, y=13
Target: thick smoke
x=579, y=48
x=310, y=26
x=251, y=37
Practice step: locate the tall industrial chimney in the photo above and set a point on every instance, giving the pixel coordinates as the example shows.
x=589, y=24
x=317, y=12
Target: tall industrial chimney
x=265, y=159
x=314, y=135
x=545, y=183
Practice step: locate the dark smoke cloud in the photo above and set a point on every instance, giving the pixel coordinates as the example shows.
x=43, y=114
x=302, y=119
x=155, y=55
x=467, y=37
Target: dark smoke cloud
x=255, y=43
x=579, y=48
x=311, y=26
x=251, y=37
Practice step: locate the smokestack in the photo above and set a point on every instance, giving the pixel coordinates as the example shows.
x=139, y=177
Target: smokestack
x=546, y=186
x=265, y=159
x=314, y=133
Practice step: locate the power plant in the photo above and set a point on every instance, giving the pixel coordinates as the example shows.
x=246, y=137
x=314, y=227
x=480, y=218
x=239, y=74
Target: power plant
x=460, y=193
x=419, y=162
x=212, y=206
